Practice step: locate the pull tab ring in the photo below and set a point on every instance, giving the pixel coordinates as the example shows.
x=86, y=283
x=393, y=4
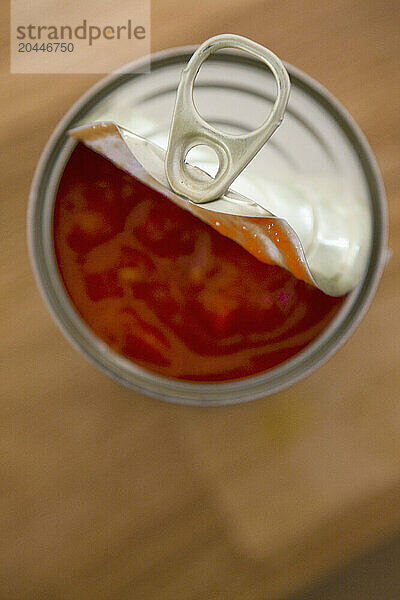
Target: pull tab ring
x=189, y=129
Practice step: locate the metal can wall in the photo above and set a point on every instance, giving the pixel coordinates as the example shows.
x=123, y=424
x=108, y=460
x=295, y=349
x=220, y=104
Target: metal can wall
x=317, y=137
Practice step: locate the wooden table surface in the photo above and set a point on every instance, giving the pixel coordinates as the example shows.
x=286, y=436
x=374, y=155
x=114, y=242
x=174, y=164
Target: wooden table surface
x=106, y=494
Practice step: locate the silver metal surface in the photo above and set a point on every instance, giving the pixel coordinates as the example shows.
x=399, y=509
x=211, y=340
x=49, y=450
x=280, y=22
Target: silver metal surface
x=329, y=141
x=189, y=129
x=333, y=249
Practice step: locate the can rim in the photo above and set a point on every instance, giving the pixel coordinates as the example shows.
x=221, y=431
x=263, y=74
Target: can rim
x=330, y=340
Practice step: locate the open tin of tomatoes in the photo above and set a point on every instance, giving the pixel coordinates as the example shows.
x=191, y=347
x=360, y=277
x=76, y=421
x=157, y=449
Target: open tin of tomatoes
x=157, y=298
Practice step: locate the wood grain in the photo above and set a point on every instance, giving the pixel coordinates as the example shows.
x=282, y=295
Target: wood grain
x=106, y=494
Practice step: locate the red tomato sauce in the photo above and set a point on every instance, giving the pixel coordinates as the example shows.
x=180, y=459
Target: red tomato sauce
x=168, y=292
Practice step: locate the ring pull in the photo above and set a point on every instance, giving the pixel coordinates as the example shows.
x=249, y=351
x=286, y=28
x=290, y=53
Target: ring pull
x=189, y=129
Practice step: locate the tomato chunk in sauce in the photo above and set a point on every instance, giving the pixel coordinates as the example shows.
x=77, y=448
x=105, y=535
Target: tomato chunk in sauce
x=168, y=292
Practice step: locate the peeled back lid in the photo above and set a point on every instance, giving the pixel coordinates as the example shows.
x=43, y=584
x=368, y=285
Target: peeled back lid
x=317, y=227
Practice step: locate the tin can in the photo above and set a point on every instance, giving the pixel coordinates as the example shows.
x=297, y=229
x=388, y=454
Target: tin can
x=318, y=136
